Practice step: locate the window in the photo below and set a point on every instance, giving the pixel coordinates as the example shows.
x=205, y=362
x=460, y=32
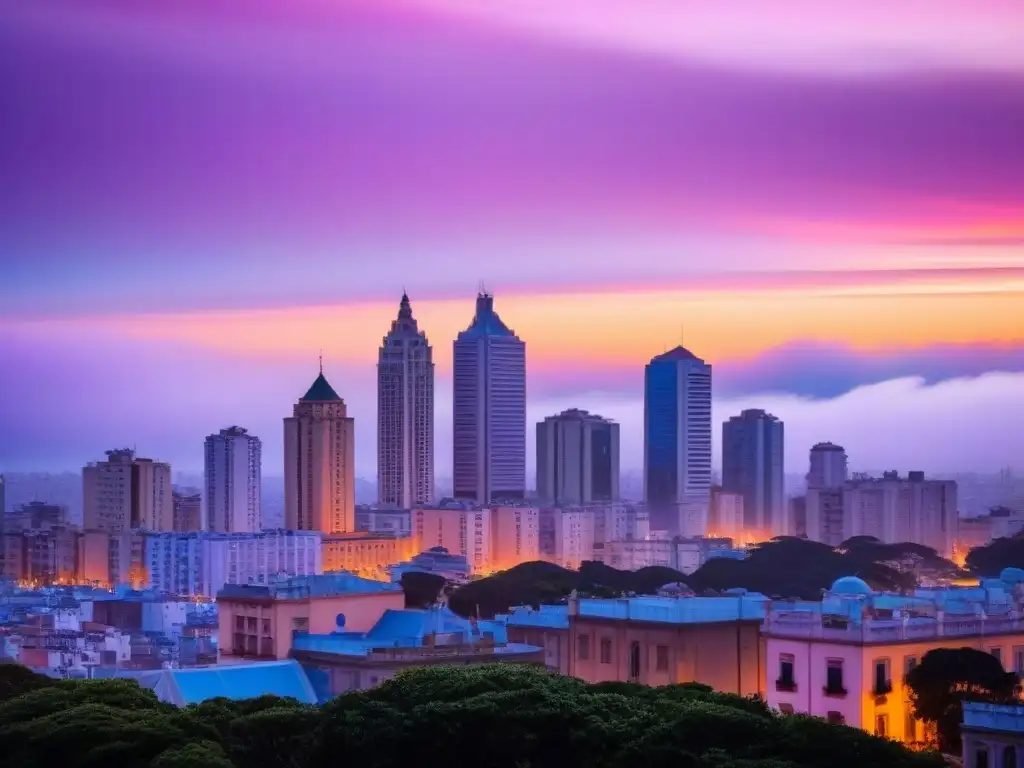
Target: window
x=300, y=624
x=606, y=650
x=882, y=725
x=634, y=662
x=883, y=684
x=1018, y=659
x=835, y=718
x=909, y=663
x=910, y=728
x=786, y=708
x=662, y=658
x=997, y=653
x=583, y=648
x=786, y=680
x=981, y=758
x=1009, y=756
x=834, y=678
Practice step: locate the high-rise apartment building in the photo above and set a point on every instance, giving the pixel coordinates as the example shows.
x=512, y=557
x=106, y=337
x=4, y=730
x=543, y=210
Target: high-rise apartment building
x=489, y=424
x=489, y=538
x=677, y=442
x=125, y=493
x=188, y=512
x=405, y=414
x=319, y=463
x=752, y=466
x=891, y=508
x=828, y=468
x=232, y=477
x=577, y=458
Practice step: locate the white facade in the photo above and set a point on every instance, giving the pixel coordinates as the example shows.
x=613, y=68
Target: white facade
x=566, y=536
x=462, y=530
x=232, y=478
x=828, y=466
x=677, y=442
x=319, y=463
x=577, y=458
x=397, y=522
x=489, y=419
x=405, y=414
x=125, y=493
x=200, y=564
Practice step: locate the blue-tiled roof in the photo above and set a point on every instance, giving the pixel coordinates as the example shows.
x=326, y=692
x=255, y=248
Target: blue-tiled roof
x=232, y=681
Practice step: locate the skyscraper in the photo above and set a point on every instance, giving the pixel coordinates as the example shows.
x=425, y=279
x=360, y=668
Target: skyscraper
x=828, y=467
x=125, y=493
x=319, y=463
x=405, y=414
x=489, y=424
x=677, y=441
x=232, y=478
x=752, y=466
x=577, y=458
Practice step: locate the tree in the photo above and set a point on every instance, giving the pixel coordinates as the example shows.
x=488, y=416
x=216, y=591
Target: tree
x=16, y=679
x=421, y=589
x=947, y=677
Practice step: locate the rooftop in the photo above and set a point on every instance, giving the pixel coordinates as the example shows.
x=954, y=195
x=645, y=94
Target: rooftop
x=994, y=717
x=662, y=610
x=676, y=354
x=320, y=391
x=304, y=587
x=486, y=321
x=232, y=681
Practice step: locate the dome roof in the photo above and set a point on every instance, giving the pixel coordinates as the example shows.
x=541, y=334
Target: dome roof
x=1011, y=575
x=850, y=585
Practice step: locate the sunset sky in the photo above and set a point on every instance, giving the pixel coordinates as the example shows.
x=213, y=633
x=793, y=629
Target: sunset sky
x=824, y=200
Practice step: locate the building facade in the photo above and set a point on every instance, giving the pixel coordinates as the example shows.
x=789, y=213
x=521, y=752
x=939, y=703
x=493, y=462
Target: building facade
x=188, y=512
x=993, y=735
x=319, y=463
x=677, y=441
x=752, y=466
x=577, y=458
x=200, y=564
x=828, y=466
x=365, y=554
x=725, y=516
x=397, y=522
x=489, y=420
x=233, y=475
x=126, y=493
x=845, y=658
x=405, y=414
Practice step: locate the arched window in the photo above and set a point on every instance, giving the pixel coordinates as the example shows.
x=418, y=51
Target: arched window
x=1010, y=756
x=634, y=662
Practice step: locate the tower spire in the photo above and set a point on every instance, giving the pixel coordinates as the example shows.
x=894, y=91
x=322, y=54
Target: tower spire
x=321, y=361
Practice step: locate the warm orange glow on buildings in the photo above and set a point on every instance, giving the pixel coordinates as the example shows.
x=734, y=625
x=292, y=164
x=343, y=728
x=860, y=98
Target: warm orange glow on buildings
x=365, y=554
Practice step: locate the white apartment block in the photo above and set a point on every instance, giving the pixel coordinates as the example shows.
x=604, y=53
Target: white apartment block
x=566, y=536
x=515, y=536
x=201, y=563
x=126, y=493
x=319, y=463
x=491, y=539
x=891, y=508
x=405, y=414
x=232, y=477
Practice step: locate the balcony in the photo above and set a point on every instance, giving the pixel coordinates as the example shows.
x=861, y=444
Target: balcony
x=882, y=688
x=789, y=686
x=835, y=691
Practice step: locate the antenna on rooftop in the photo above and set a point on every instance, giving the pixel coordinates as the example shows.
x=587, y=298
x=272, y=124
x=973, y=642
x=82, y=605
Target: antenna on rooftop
x=321, y=360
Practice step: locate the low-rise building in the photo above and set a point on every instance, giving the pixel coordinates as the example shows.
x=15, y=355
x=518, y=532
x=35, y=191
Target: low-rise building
x=993, y=735
x=365, y=554
x=397, y=522
x=437, y=561
x=650, y=640
x=351, y=661
x=845, y=658
x=259, y=621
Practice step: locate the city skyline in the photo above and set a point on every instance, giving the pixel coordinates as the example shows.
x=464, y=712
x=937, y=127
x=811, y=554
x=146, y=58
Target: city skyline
x=853, y=265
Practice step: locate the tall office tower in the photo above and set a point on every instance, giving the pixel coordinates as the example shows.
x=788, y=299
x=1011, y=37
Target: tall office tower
x=232, y=477
x=489, y=434
x=577, y=458
x=319, y=463
x=125, y=493
x=405, y=414
x=677, y=442
x=828, y=466
x=752, y=466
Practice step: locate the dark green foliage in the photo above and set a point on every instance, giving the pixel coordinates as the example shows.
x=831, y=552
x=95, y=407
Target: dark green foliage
x=990, y=560
x=947, y=677
x=499, y=716
x=783, y=567
x=16, y=680
x=421, y=589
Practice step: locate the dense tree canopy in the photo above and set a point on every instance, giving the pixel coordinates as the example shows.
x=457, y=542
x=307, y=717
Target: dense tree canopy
x=990, y=560
x=947, y=677
x=500, y=716
x=784, y=567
